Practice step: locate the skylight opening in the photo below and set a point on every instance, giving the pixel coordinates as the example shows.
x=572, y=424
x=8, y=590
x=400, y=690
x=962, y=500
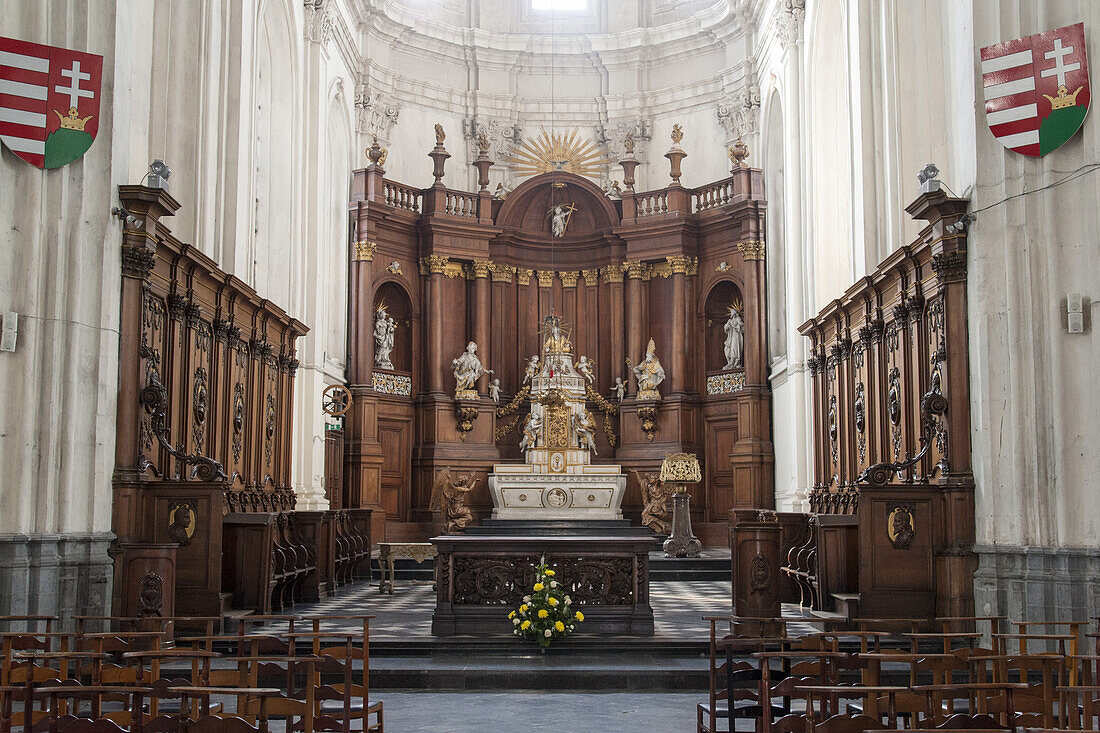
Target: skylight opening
x=567, y=6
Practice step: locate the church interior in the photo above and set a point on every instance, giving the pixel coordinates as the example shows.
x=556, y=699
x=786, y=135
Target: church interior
x=588, y=365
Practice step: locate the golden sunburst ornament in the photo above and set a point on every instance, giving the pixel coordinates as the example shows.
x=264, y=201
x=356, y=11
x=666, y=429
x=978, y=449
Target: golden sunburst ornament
x=565, y=151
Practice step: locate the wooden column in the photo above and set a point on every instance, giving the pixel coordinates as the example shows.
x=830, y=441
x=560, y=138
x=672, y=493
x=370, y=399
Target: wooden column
x=679, y=266
x=613, y=282
x=361, y=312
x=483, y=313
x=436, y=304
x=635, y=346
x=756, y=352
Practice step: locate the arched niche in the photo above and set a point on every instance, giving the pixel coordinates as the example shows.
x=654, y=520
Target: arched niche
x=399, y=307
x=724, y=294
x=526, y=211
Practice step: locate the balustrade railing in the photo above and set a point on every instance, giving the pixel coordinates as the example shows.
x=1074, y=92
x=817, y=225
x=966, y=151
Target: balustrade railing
x=459, y=203
x=651, y=203
x=401, y=196
x=712, y=195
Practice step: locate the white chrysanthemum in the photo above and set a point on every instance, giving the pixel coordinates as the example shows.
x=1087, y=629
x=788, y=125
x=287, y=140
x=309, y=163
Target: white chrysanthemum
x=527, y=599
x=567, y=601
x=547, y=633
x=515, y=622
x=553, y=584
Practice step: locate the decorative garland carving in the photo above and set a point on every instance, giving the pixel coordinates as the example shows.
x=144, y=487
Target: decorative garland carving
x=893, y=406
x=238, y=420
x=199, y=401
x=151, y=597
x=859, y=410
x=503, y=430
x=489, y=581
x=600, y=401
x=514, y=404
x=759, y=574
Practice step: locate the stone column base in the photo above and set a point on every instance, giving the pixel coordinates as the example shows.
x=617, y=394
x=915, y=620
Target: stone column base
x=56, y=574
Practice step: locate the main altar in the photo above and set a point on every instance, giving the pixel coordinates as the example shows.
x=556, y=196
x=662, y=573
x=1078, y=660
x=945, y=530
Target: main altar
x=557, y=479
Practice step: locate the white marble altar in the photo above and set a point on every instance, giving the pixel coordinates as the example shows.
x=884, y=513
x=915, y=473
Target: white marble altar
x=557, y=479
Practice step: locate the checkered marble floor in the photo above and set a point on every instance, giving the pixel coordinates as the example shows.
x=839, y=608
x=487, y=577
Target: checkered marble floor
x=678, y=609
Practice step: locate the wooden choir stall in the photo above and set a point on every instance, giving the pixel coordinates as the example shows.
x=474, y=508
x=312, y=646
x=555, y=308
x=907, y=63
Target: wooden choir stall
x=204, y=513
x=890, y=529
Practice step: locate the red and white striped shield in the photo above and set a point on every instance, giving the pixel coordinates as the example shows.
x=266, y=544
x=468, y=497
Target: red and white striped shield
x=49, y=101
x=1037, y=89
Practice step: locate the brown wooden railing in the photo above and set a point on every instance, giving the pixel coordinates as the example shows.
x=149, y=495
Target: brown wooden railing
x=712, y=195
x=400, y=196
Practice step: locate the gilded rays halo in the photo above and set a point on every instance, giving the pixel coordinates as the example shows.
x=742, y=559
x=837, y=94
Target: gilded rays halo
x=565, y=151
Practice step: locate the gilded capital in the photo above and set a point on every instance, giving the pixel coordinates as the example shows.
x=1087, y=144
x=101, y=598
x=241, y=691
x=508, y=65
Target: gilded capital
x=546, y=278
x=364, y=251
x=592, y=276
x=501, y=273
x=482, y=268
x=683, y=265
x=613, y=273
x=751, y=249
x=523, y=275
x=434, y=264
x=636, y=269
x=569, y=278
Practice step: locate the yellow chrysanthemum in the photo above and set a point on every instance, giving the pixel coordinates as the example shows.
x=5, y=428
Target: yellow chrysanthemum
x=512, y=614
x=543, y=613
x=538, y=587
x=523, y=608
x=559, y=626
x=552, y=601
x=550, y=573
x=525, y=625
x=579, y=616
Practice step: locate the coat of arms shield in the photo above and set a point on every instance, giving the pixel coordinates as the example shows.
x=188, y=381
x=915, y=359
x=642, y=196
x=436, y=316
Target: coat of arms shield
x=1037, y=89
x=49, y=101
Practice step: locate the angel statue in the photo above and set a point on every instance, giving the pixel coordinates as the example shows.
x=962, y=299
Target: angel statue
x=494, y=390
x=584, y=366
x=449, y=498
x=467, y=370
x=559, y=218
x=384, y=329
x=531, y=432
x=619, y=388
x=655, y=496
x=649, y=374
x=532, y=369
x=585, y=429
x=440, y=136
x=735, y=340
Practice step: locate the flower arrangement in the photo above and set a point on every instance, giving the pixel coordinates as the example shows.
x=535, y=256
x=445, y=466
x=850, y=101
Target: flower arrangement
x=547, y=613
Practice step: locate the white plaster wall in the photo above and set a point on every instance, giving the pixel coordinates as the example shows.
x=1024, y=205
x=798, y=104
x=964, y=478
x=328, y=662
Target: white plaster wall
x=1036, y=410
x=59, y=269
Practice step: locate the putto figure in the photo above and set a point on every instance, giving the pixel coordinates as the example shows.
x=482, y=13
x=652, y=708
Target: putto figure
x=584, y=366
x=449, y=498
x=467, y=370
x=619, y=389
x=494, y=390
x=532, y=369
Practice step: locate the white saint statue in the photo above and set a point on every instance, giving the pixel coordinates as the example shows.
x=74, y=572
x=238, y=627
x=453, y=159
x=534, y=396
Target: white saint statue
x=649, y=374
x=532, y=369
x=619, y=389
x=494, y=390
x=384, y=329
x=584, y=366
x=467, y=370
x=559, y=218
x=531, y=433
x=585, y=430
x=735, y=340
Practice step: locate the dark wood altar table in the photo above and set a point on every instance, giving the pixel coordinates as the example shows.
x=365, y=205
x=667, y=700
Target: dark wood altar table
x=480, y=578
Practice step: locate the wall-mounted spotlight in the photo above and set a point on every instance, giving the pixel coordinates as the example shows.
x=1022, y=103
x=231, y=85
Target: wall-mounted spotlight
x=927, y=178
x=126, y=217
x=961, y=225
x=159, y=173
